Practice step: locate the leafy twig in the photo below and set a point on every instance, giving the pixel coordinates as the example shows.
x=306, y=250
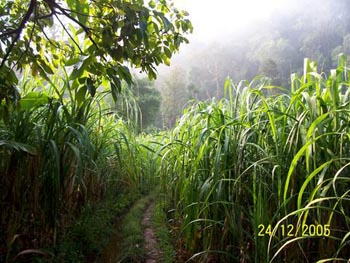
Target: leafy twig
x=18, y=31
x=65, y=29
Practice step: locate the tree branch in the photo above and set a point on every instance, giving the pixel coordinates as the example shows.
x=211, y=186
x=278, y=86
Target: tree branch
x=47, y=38
x=65, y=29
x=9, y=32
x=53, y=5
x=78, y=13
x=43, y=16
x=19, y=30
x=28, y=44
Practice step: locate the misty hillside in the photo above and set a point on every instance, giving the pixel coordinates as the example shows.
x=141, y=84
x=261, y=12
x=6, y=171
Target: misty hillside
x=274, y=47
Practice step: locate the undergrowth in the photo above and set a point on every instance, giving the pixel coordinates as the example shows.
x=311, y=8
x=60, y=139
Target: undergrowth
x=132, y=243
x=162, y=231
x=90, y=234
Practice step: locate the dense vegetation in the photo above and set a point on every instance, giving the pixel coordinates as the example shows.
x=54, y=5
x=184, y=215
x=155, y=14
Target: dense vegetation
x=259, y=173
x=57, y=155
x=69, y=159
x=262, y=156
x=243, y=170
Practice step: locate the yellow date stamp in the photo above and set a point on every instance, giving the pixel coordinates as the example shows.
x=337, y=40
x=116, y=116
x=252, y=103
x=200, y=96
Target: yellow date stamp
x=312, y=230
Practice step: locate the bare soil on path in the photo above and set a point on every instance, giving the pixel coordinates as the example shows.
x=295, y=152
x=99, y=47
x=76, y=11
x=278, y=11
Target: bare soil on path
x=153, y=254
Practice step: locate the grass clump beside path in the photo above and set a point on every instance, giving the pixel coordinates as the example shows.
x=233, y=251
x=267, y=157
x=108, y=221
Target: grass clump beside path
x=91, y=232
x=159, y=220
x=132, y=244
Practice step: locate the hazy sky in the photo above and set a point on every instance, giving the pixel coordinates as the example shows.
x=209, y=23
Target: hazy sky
x=215, y=18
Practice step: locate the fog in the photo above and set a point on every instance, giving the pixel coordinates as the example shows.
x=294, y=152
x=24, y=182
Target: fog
x=217, y=19
x=226, y=17
x=245, y=39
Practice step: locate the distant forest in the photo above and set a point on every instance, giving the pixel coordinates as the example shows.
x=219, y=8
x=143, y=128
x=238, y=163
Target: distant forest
x=273, y=48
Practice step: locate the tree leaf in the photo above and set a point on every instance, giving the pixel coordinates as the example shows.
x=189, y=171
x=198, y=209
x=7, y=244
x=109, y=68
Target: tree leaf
x=78, y=71
x=72, y=61
x=82, y=8
x=167, y=52
x=46, y=67
x=80, y=96
x=152, y=4
x=33, y=100
x=114, y=90
x=90, y=87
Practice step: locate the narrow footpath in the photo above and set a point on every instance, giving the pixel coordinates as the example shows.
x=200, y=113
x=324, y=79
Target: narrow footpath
x=120, y=247
x=153, y=254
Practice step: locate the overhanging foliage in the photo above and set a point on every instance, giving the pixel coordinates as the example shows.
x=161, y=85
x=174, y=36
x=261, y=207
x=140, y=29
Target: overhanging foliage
x=97, y=37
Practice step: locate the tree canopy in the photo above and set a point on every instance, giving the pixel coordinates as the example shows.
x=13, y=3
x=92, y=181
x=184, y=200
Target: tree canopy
x=100, y=39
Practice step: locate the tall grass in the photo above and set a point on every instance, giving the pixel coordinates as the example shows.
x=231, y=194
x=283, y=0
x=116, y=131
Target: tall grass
x=263, y=156
x=60, y=149
x=263, y=160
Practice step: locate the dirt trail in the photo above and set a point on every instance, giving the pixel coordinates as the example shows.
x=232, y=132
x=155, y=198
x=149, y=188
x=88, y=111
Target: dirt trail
x=152, y=252
x=112, y=252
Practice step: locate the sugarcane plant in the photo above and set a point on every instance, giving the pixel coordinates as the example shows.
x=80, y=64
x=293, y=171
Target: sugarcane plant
x=261, y=175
